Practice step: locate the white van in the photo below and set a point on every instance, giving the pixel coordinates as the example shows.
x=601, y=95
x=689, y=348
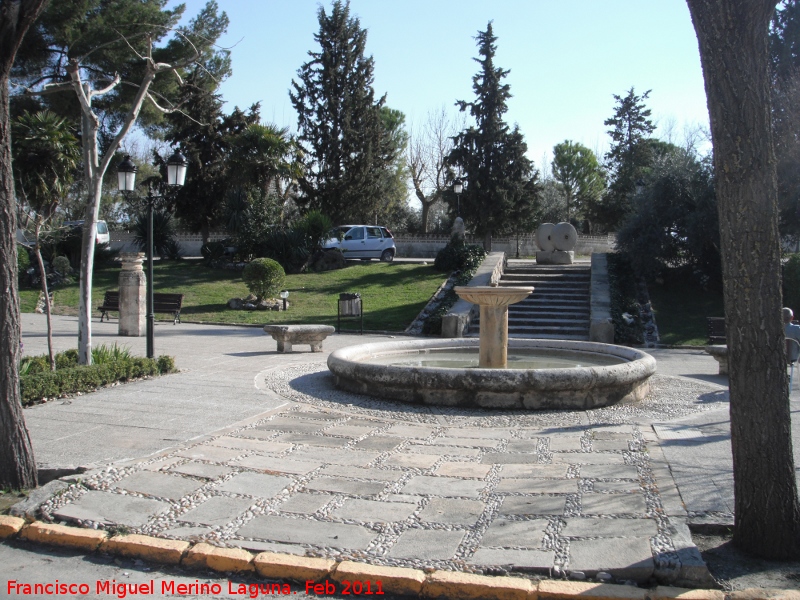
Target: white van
x=103, y=236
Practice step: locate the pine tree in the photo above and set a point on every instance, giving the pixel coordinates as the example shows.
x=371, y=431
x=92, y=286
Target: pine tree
x=339, y=121
x=490, y=155
x=630, y=155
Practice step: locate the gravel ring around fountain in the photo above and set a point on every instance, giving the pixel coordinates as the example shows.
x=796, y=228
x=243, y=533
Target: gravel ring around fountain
x=670, y=398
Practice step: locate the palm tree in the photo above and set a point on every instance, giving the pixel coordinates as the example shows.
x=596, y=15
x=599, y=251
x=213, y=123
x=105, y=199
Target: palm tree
x=45, y=159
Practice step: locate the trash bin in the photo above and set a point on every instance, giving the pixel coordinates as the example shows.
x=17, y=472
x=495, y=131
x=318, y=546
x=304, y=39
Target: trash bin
x=349, y=307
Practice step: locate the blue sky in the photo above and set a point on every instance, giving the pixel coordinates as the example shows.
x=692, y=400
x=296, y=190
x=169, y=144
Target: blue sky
x=566, y=59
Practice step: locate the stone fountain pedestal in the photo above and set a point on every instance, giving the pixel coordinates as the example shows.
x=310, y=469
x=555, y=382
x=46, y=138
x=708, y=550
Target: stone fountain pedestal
x=132, y=295
x=494, y=302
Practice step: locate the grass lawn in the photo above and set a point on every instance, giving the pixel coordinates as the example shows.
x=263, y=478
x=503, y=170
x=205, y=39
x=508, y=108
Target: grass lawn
x=681, y=309
x=392, y=293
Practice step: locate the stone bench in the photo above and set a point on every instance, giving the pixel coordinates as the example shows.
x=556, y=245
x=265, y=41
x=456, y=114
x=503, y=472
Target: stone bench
x=286, y=335
x=720, y=353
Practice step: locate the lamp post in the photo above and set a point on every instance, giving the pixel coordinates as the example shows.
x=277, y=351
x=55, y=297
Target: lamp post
x=176, y=175
x=458, y=187
x=284, y=297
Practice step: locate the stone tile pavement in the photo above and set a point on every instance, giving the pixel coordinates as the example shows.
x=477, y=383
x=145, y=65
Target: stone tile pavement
x=250, y=448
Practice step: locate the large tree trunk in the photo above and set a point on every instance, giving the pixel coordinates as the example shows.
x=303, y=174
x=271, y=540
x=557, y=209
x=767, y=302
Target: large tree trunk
x=17, y=465
x=733, y=49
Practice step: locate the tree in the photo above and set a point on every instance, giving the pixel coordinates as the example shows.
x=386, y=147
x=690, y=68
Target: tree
x=490, y=154
x=17, y=465
x=674, y=223
x=577, y=171
x=628, y=157
x=426, y=158
x=105, y=53
x=46, y=158
x=339, y=120
x=392, y=191
x=733, y=36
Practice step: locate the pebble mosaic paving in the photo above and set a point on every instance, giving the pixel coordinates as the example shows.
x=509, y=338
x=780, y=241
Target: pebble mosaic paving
x=344, y=476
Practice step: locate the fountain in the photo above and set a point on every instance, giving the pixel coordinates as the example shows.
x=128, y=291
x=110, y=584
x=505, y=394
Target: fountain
x=538, y=374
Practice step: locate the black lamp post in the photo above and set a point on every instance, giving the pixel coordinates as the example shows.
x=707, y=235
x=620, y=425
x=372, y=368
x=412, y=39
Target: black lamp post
x=458, y=187
x=176, y=175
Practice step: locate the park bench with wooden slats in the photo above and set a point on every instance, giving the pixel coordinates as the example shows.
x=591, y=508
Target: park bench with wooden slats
x=170, y=304
x=716, y=331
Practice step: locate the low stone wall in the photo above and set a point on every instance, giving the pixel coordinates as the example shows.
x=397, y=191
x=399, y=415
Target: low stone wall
x=601, y=327
x=428, y=245
x=456, y=322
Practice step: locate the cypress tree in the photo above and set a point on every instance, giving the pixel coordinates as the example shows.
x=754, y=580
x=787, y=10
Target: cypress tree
x=491, y=155
x=339, y=121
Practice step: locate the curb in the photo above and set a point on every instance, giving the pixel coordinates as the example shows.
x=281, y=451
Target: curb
x=393, y=580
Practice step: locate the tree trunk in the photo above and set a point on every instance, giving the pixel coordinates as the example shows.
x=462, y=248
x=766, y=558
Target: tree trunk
x=487, y=240
x=40, y=261
x=426, y=209
x=732, y=36
x=17, y=465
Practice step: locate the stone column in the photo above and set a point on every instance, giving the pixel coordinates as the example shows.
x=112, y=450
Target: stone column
x=132, y=295
x=494, y=337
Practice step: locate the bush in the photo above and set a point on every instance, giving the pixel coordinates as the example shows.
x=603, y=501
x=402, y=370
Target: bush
x=459, y=256
x=61, y=265
x=264, y=277
x=113, y=364
x=212, y=251
x=314, y=227
x=163, y=232
x=287, y=247
x=23, y=260
x=622, y=287
x=791, y=283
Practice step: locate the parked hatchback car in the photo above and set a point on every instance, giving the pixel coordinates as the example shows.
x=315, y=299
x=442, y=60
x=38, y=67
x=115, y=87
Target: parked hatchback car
x=363, y=241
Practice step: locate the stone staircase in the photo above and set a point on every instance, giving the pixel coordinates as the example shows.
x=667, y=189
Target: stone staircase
x=558, y=307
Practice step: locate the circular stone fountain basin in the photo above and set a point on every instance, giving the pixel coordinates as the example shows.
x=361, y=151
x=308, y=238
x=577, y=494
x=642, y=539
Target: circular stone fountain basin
x=565, y=374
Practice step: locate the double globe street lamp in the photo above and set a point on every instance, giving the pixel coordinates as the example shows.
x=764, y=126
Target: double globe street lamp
x=176, y=175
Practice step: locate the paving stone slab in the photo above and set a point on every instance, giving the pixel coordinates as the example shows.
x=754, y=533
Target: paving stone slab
x=615, y=486
x=589, y=527
x=413, y=461
x=463, y=469
x=304, y=531
x=345, y=486
x=624, y=558
x=452, y=510
x=305, y=504
x=356, y=458
x=612, y=504
x=536, y=560
x=361, y=472
x=449, y=440
x=536, y=486
x=112, y=509
x=321, y=416
x=290, y=425
x=353, y=431
x=371, y=511
x=198, y=469
x=158, y=484
x=255, y=484
x=505, y=533
x=255, y=546
x=481, y=433
x=211, y=453
x=444, y=450
x=371, y=423
x=588, y=458
x=217, y=510
x=312, y=440
x=427, y=545
x=443, y=486
x=609, y=472
x=524, y=447
x=533, y=505
x=620, y=445
x=562, y=444
x=534, y=471
x=381, y=443
x=162, y=465
x=509, y=458
x=278, y=464
x=187, y=532
x=411, y=431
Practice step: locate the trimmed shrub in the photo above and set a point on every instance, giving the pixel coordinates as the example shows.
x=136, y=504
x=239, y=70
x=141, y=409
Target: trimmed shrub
x=61, y=265
x=113, y=364
x=264, y=277
x=459, y=256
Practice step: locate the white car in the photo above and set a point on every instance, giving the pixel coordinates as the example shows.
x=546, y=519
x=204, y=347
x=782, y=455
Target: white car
x=362, y=241
x=103, y=236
